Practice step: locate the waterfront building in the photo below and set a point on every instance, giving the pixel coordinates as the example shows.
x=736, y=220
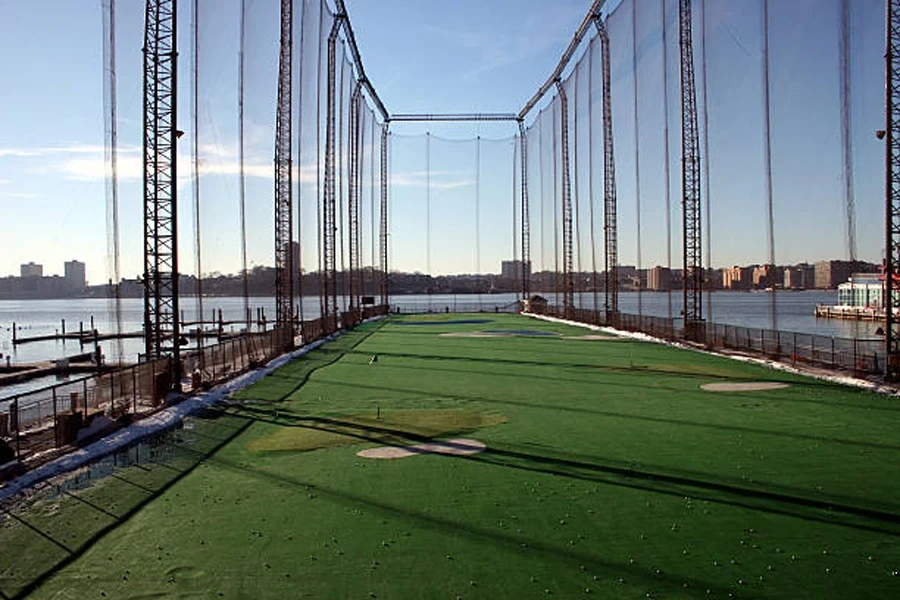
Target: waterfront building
x=737, y=278
x=862, y=290
x=74, y=273
x=766, y=276
x=659, y=279
x=31, y=270
x=799, y=277
x=831, y=273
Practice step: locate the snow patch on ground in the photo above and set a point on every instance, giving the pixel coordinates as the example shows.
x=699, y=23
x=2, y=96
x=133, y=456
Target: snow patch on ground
x=822, y=375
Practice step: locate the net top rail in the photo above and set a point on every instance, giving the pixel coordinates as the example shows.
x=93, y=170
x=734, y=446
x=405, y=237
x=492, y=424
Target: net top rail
x=592, y=15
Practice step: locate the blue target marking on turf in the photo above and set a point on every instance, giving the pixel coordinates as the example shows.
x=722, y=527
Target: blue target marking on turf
x=457, y=322
x=521, y=332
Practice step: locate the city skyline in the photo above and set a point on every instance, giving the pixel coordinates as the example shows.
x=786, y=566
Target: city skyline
x=502, y=268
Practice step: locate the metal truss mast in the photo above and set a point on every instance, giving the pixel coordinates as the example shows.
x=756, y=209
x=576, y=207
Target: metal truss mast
x=526, y=217
x=329, y=203
x=568, y=253
x=892, y=189
x=383, y=233
x=610, y=209
x=284, y=272
x=354, y=172
x=161, y=325
x=690, y=173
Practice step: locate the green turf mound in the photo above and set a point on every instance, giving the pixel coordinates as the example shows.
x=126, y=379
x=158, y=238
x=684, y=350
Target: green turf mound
x=399, y=427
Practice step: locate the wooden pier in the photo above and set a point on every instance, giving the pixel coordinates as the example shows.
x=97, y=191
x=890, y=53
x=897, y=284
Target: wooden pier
x=853, y=313
x=80, y=363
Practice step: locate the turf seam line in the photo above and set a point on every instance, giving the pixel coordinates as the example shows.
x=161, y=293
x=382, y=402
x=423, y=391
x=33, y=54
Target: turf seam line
x=89, y=543
x=38, y=531
x=90, y=504
x=133, y=483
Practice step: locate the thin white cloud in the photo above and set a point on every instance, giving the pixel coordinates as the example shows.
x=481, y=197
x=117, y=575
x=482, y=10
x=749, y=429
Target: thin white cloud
x=19, y=195
x=439, y=180
x=19, y=152
x=5, y=182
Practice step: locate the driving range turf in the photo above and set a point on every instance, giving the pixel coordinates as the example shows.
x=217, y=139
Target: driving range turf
x=608, y=473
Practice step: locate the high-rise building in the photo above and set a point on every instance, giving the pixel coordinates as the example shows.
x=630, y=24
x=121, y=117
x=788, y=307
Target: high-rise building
x=737, y=278
x=831, y=273
x=659, y=279
x=75, y=274
x=31, y=270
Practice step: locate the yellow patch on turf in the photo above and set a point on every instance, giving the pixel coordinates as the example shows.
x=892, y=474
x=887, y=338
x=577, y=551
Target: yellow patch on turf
x=398, y=427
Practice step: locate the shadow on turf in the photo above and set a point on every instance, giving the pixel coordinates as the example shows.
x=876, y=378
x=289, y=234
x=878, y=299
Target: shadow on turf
x=72, y=554
x=794, y=380
x=338, y=353
x=627, y=416
x=776, y=500
x=661, y=583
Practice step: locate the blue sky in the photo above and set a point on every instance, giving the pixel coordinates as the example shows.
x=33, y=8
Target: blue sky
x=438, y=56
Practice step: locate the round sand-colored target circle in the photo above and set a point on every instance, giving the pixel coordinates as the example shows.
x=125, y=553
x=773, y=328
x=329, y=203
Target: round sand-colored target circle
x=458, y=447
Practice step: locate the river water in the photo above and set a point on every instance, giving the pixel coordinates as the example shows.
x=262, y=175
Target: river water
x=795, y=312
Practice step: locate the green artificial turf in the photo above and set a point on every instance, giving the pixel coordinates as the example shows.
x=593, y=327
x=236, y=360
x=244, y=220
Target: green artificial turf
x=608, y=473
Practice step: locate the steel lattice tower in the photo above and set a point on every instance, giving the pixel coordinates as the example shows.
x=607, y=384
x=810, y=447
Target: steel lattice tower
x=161, y=325
x=568, y=254
x=284, y=273
x=892, y=188
x=690, y=173
x=610, y=210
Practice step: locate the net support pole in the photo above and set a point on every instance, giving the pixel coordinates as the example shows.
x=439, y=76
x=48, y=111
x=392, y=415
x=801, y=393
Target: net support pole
x=568, y=254
x=892, y=188
x=383, y=234
x=284, y=281
x=353, y=170
x=610, y=209
x=526, y=219
x=111, y=137
x=161, y=318
x=195, y=171
x=242, y=181
x=329, y=221
x=690, y=173
x=767, y=166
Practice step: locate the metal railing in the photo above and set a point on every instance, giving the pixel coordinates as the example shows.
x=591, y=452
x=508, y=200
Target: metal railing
x=858, y=356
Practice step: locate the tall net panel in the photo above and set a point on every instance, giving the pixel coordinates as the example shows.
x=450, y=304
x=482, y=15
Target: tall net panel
x=779, y=95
